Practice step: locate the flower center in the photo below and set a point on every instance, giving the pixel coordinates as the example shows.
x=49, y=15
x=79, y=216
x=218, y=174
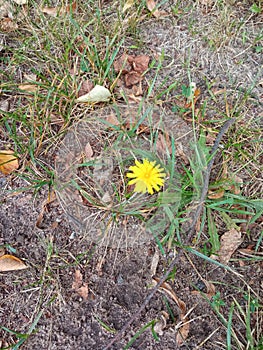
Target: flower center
x=147, y=174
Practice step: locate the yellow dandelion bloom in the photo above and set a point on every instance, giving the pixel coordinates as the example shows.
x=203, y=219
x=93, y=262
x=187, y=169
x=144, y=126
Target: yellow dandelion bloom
x=146, y=176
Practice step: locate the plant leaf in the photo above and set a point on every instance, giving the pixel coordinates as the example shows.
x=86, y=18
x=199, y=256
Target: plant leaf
x=8, y=162
x=11, y=263
x=152, y=7
x=97, y=94
x=229, y=242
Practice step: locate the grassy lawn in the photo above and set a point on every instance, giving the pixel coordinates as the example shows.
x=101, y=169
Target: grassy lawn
x=109, y=111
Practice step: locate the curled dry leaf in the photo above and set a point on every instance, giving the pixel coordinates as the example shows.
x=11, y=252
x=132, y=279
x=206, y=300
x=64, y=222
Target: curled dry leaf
x=229, y=242
x=51, y=198
x=97, y=94
x=152, y=7
x=155, y=262
x=11, y=263
x=123, y=64
x=132, y=78
x=141, y=63
x=216, y=194
x=79, y=286
x=8, y=162
x=184, y=328
x=161, y=323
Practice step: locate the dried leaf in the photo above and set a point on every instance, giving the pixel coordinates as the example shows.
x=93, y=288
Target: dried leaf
x=83, y=291
x=184, y=329
x=51, y=197
x=134, y=99
x=52, y=11
x=28, y=87
x=106, y=198
x=5, y=106
x=155, y=262
x=141, y=63
x=8, y=162
x=216, y=194
x=113, y=120
x=229, y=242
x=97, y=94
x=132, y=78
x=8, y=25
x=123, y=64
x=161, y=323
x=79, y=286
x=151, y=5
x=78, y=279
x=11, y=263
x=88, y=151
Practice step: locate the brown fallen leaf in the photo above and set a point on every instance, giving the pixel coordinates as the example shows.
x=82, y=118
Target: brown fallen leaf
x=28, y=87
x=184, y=329
x=8, y=162
x=123, y=64
x=132, y=78
x=134, y=99
x=60, y=10
x=88, y=151
x=8, y=25
x=216, y=194
x=155, y=262
x=51, y=198
x=11, y=263
x=151, y=5
x=229, y=242
x=113, y=120
x=79, y=286
x=137, y=90
x=161, y=323
x=78, y=279
x=140, y=63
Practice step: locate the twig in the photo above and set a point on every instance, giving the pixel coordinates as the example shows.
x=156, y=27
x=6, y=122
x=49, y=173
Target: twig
x=189, y=233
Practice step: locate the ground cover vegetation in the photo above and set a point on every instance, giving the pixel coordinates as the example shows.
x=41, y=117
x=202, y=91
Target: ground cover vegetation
x=130, y=174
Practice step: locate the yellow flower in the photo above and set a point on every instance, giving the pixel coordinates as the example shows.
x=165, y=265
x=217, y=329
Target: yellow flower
x=146, y=176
